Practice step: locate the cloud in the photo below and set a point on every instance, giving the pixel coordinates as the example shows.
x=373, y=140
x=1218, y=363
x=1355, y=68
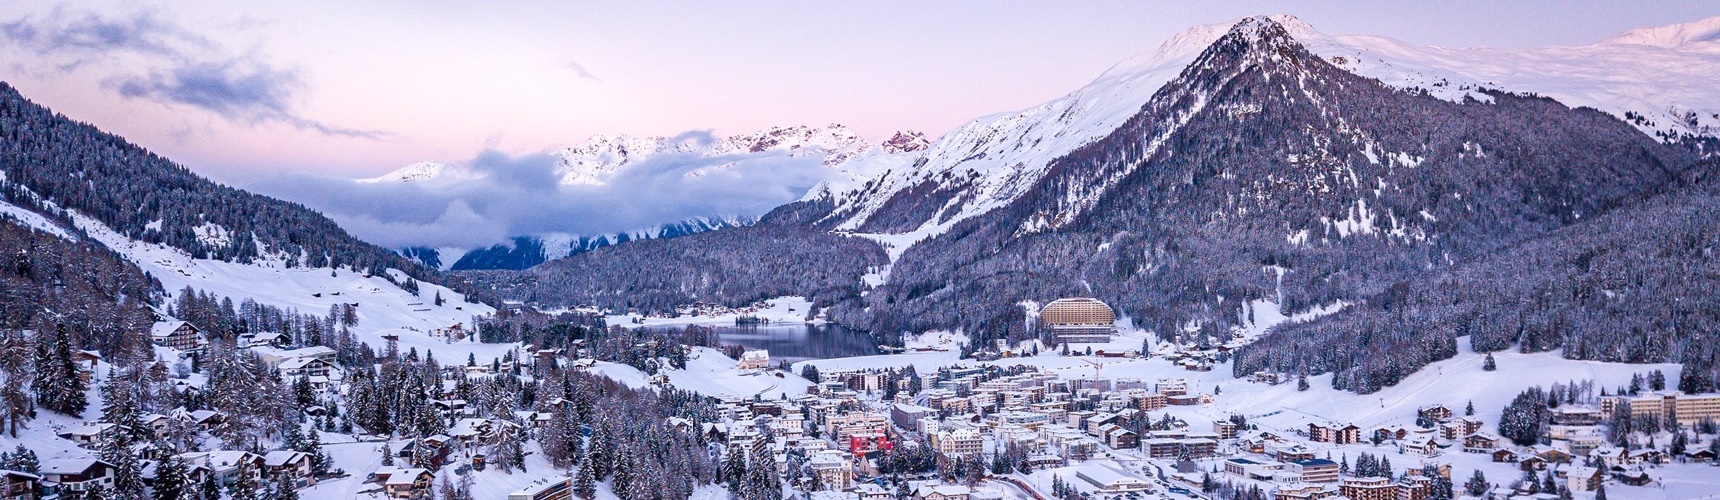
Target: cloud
x=496, y=196
x=189, y=69
x=579, y=69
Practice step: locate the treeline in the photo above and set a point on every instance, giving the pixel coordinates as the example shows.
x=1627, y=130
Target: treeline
x=48, y=283
x=732, y=266
x=150, y=198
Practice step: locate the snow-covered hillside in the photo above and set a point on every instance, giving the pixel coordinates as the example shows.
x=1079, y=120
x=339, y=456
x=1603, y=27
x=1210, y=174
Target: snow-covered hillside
x=381, y=305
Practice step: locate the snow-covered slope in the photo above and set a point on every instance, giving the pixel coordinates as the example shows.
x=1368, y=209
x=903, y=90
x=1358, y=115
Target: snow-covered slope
x=381, y=305
x=1660, y=79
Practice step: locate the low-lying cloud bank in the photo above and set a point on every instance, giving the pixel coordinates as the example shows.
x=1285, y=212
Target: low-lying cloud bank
x=496, y=196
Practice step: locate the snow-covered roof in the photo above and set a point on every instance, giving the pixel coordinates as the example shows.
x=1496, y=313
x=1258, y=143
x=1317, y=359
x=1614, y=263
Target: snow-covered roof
x=403, y=477
x=166, y=328
x=280, y=458
x=69, y=465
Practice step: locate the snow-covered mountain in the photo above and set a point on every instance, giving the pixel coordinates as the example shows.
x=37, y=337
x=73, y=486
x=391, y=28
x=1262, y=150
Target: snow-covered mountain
x=526, y=251
x=1659, y=79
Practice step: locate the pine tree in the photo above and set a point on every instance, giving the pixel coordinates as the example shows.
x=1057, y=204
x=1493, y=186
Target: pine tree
x=1302, y=383
x=209, y=489
x=585, y=481
x=1469, y=409
x=1601, y=492
x=170, y=479
x=244, y=483
x=284, y=489
x=1385, y=467
x=1488, y=364
x=1477, y=484
x=387, y=456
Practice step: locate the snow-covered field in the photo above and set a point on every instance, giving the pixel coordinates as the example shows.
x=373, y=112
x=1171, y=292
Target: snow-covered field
x=711, y=373
x=781, y=310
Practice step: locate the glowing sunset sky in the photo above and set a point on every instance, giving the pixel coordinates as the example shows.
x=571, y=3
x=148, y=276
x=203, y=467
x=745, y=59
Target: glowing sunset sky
x=354, y=89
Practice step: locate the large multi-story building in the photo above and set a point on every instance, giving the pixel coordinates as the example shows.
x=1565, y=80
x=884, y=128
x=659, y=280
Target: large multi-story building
x=1368, y=488
x=960, y=442
x=1686, y=408
x=1079, y=320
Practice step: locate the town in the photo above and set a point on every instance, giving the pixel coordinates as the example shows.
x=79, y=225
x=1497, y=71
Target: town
x=1132, y=419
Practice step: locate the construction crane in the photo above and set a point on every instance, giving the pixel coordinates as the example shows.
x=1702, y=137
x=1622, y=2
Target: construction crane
x=1096, y=367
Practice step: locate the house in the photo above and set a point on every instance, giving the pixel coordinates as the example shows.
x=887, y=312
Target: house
x=273, y=339
x=1532, y=462
x=298, y=464
x=871, y=491
x=1504, y=455
x=204, y=419
x=225, y=465
x=1391, y=433
x=1458, y=427
x=177, y=335
x=555, y=488
x=1634, y=476
x=1580, y=478
x=1480, y=442
x=405, y=483
x=1436, y=413
x=1420, y=445
x=1110, y=480
x=77, y=474
x=85, y=433
x=942, y=492
x=15, y=485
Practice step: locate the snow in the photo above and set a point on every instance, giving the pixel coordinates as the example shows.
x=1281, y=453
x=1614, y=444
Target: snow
x=711, y=373
x=790, y=310
x=382, y=307
x=33, y=220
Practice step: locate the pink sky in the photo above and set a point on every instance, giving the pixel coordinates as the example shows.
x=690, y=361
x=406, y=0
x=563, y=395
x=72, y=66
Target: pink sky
x=443, y=81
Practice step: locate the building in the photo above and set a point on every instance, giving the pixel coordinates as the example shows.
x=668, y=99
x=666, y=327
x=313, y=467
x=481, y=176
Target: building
x=758, y=359
x=177, y=335
x=1436, y=413
x=942, y=492
x=833, y=470
x=555, y=488
x=1368, y=488
x=1334, y=433
x=1316, y=470
x=1252, y=469
x=1172, y=386
x=1580, y=478
x=77, y=475
x=298, y=464
x=1110, y=480
x=1480, y=442
x=1224, y=428
x=1079, y=320
x=1687, y=409
x=405, y=483
x=960, y=442
x=907, y=416
x=15, y=485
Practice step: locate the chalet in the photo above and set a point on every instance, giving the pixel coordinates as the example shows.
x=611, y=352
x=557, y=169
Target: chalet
x=1532, y=463
x=1503, y=455
x=87, y=362
x=203, y=419
x=1580, y=478
x=1420, y=445
x=77, y=475
x=306, y=367
x=226, y=464
x=1702, y=455
x=15, y=485
x=405, y=483
x=157, y=423
x=272, y=357
x=1436, y=413
x=1391, y=433
x=294, y=463
x=1120, y=438
x=177, y=335
x=85, y=434
x=271, y=339
x=1634, y=476
x=1480, y=442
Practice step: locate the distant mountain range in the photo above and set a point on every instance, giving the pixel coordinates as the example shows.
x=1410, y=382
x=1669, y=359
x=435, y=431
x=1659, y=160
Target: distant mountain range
x=602, y=158
x=1238, y=168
